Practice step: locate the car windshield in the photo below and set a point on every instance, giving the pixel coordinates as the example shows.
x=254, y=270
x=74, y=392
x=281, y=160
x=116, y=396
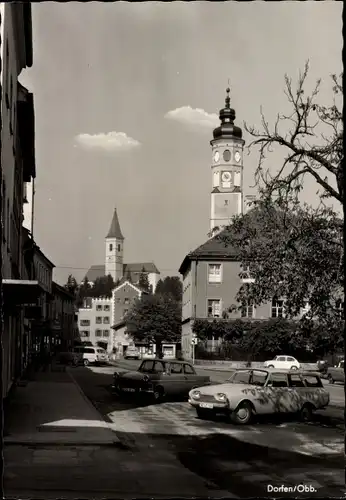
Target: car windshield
x=251, y=377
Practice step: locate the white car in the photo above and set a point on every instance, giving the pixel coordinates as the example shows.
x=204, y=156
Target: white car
x=283, y=363
x=87, y=355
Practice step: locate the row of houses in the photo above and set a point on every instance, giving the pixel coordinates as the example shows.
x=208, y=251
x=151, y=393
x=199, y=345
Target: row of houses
x=37, y=313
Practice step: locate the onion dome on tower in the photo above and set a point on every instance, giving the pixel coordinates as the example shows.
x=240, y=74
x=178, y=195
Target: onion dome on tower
x=227, y=129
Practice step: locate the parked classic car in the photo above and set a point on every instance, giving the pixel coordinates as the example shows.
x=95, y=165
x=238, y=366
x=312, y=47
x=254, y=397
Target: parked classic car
x=336, y=373
x=159, y=378
x=250, y=392
x=283, y=362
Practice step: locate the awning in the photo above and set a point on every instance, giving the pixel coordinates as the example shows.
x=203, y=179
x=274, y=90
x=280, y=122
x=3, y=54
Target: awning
x=20, y=292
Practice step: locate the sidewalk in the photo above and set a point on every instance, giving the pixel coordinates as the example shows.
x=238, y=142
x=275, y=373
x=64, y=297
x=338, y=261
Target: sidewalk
x=52, y=410
x=58, y=445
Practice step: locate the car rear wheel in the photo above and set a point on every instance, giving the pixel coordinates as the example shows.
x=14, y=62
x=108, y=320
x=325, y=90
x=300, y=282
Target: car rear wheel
x=294, y=368
x=271, y=366
x=85, y=362
x=243, y=414
x=158, y=394
x=330, y=379
x=306, y=412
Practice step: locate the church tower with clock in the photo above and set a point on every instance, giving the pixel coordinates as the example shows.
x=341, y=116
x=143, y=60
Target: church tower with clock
x=227, y=169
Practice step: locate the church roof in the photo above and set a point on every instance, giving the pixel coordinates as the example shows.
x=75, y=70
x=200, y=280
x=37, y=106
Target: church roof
x=133, y=269
x=227, y=129
x=114, y=230
x=212, y=249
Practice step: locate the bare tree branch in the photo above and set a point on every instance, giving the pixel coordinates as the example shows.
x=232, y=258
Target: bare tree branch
x=303, y=157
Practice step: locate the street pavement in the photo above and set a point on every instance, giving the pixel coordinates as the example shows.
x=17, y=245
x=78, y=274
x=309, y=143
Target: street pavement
x=58, y=445
x=244, y=461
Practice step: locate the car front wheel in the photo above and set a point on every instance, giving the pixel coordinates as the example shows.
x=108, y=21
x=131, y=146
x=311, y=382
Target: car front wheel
x=85, y=362
x=271, y=366
x=243, y=414
x=201, y=413
x=330, y=379
x=159, y=394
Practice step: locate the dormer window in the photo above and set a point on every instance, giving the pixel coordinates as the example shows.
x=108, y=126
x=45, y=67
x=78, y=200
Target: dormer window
x=110, y=247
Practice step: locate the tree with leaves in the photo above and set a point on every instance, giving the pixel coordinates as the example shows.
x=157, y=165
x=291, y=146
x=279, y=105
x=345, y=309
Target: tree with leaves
x=313, y=144
x=84, y=291
x=143, y=281
x=170, y=286
x=71, y=285
x=156, y=319
x=294, y=252
x=103, y=287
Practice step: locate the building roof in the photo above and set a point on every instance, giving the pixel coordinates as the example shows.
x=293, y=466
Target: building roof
x=114, y=230
x=58, y=289
x=125, y=282
x=212, y=249
x=133, y=269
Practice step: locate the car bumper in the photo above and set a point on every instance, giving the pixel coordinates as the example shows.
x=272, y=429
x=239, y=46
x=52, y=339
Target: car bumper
x=213, y=407
x=132, y=391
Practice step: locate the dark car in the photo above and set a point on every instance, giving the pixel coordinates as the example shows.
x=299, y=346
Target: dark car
x=159, y=378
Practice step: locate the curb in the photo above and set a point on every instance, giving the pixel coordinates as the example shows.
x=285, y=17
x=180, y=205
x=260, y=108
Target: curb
x=90, y=404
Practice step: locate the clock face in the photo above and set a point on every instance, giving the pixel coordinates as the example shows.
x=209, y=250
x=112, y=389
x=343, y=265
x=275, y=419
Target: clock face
x=216, y=156
x=227, y=155
x=237, y=157
x=226, y=176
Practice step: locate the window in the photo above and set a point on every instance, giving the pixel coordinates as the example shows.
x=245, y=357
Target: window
x=106, y=308
x=85, y=333
x=295, y=381
x=85, y=322
x=106, y=333
x=278, y=380
x=245, y=274
x=247, y=311
x=110, y=247
x=125, y=311
x=127, y=300
x=159, y=367
x=118, y=301
x=214, y=308
x=106, y=320
x=214, y=273
x=98, y=308
x=277, y=309
x=258, y=378
x=119, y=248
x=312, y=381
x=88, y=350
x=147, y=367
x=98, y=319
x=189, y=370
x=216, y=179
x=98, y=333
x=290, y=359
x=176, y=368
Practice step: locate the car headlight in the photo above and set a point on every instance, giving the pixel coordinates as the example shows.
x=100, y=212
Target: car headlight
x=196, y=394
x=220, y=396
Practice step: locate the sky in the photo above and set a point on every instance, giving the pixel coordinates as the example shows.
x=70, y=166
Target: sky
x=126, y=99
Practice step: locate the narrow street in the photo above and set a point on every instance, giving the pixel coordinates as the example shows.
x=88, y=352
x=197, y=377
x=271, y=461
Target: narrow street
x=243, y=461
